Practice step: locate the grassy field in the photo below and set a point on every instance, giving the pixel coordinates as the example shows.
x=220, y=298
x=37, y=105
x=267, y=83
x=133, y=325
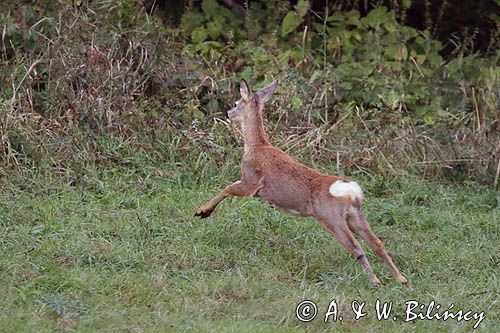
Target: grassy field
x=121, y=251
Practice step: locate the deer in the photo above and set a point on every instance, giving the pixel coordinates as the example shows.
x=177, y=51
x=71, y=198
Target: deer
x=269, y=173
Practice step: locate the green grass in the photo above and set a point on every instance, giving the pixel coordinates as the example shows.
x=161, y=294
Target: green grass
x=121, y=251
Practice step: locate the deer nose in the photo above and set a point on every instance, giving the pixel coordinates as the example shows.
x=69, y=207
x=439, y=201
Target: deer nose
x=230, y=114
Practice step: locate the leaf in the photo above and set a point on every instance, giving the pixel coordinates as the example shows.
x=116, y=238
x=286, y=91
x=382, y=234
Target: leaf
x=352, y=17
x=397, y=52
x=199, y=35
x=429, y=119
x=290, y=23
x=212, y=8
x=408, y=32
x=246, y=73
x=295, y=103
x=197, y=114
x=283, y=57
x=335, y=17
x=376, y=17
x=191, y=20
x=434, y=59
x=214, y=28
x=356, y=35
x=259, y=54
x=391, y=26
x=404, y=52
x=392, y=51
x=346, y=85
x=302, y=7
x=213, y=105
x=407, y=3
x=420, y=58
x=333, y=43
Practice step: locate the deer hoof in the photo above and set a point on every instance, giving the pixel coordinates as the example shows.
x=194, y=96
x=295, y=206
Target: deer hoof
x=203, y=213
x=404, y=282
x=375, y=281
x=407, y=286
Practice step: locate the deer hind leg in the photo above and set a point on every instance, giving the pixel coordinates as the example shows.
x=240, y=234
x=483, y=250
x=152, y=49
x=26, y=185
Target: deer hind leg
x=359, y=225
x=337, y=225
x=241, y=188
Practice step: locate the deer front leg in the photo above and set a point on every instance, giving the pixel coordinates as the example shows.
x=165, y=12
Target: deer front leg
x=241, y=188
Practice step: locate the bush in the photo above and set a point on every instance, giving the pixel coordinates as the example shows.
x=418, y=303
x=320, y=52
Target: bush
x=366, y=91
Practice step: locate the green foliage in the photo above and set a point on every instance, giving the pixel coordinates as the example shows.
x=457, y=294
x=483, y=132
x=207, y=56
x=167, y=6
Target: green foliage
x=210, y=27
x=106, y=67
x=27, y=36
x=294, y=18
x=121, y=14
x=373, y=60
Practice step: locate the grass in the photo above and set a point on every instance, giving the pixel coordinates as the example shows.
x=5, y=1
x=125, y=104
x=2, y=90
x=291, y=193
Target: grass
x=121, y=251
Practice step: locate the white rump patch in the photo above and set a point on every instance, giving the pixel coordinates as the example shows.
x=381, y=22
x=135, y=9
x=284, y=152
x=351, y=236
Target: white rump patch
x=346, y=189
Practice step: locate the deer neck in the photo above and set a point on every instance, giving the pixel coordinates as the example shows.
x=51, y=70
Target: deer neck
x=253, y=131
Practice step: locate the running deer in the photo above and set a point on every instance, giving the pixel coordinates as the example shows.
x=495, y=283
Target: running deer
x=271, y=174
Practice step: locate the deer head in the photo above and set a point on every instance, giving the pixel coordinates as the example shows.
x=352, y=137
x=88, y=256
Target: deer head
x=249, y=104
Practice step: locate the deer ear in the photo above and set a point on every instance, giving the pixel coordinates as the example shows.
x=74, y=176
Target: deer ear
x=267, y=92
x=245, y=91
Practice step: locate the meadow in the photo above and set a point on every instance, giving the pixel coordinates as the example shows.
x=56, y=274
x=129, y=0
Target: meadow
x=121, y=251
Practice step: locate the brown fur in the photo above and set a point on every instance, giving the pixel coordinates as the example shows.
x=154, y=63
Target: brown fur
x=271, y=174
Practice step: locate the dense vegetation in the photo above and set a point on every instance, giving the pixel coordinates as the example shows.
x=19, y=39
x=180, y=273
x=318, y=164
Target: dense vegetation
x=113, y=131
x=365, y=92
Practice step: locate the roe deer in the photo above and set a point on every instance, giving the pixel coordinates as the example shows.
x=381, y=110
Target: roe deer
x=269, y=173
